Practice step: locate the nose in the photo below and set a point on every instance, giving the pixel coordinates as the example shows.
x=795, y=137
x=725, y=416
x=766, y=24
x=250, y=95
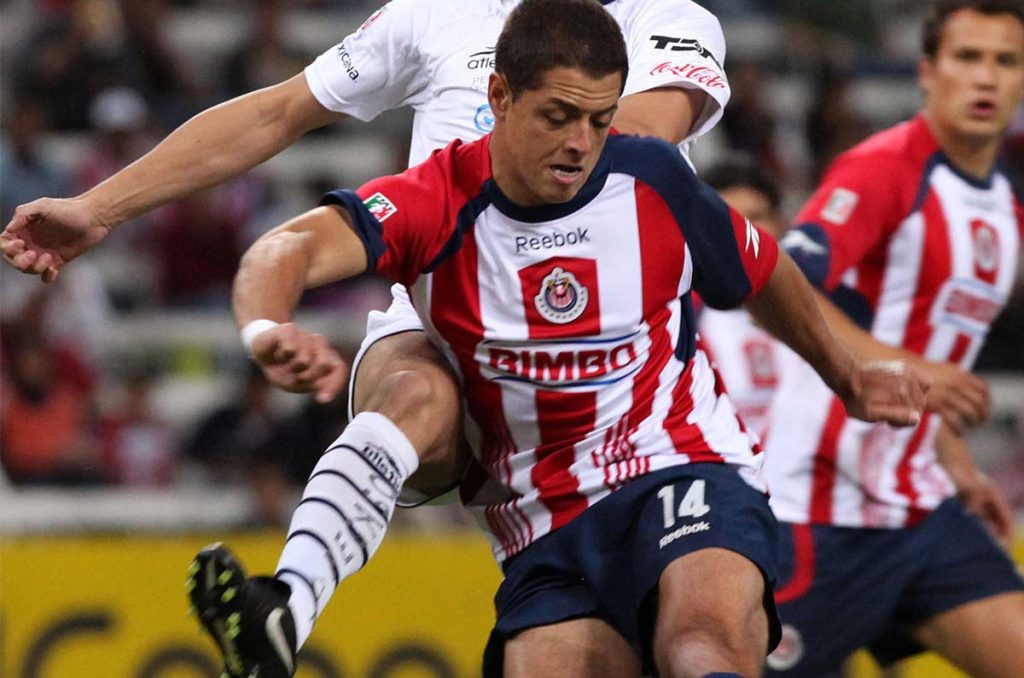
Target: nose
x=580, y=139
x=986, y=75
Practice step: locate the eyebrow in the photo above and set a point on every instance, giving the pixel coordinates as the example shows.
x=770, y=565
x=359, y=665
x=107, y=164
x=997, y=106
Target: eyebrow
x=576, y=110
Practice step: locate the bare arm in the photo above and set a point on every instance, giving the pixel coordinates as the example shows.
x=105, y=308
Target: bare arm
x=313, y=249
x=961, y=398
x=219, y=143
x=666, y=112
x=974, y=488
x=786, y=308
x=212, y=147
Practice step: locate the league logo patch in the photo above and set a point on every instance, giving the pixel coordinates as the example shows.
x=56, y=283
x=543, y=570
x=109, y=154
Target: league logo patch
x=562, y=298
x=380, y=207
x=840, y=206
x=790, y=650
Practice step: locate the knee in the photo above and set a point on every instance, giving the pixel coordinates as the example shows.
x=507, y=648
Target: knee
x=703, y=644
x=413, y=393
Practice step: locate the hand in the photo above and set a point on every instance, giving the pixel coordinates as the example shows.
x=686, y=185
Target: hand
x=982, y=498
x=887, y=390
x=300, y=362
x=45, y=234
x=962, y=399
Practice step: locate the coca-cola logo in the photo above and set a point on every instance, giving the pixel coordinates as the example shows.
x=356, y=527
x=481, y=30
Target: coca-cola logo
x=692, y=72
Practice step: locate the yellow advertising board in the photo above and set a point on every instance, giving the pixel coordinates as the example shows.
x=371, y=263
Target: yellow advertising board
x=115, y=607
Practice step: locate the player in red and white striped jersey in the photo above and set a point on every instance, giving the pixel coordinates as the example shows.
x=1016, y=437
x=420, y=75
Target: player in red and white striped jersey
x=744, y=354
x=554, y=271
x=916, y=235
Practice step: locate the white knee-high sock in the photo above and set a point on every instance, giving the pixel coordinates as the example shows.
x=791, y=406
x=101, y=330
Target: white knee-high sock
x=344, y=512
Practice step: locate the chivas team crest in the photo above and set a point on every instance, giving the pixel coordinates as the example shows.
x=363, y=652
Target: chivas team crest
x=562, y=298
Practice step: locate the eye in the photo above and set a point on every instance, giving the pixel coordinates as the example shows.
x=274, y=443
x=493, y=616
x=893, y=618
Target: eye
x=555, y=120
x=601, y=123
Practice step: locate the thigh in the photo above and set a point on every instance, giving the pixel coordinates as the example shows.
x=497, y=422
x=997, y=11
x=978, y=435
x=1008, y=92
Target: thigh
x=578, y=648
x=713, y=601
x=985, y=637
x=444, y=453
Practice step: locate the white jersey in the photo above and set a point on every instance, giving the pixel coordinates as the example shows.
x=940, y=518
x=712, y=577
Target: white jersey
x=926, y=259
x=747, y=357
x=437, y=56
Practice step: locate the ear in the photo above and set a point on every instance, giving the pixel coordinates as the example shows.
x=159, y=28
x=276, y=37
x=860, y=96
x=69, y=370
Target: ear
x=926, y=73
x=499, y=95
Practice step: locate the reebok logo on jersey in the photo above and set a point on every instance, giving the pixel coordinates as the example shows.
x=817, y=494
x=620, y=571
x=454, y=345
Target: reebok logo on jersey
x=554, y=240
x=380, y=207
x=701, y=75
x=840, y=206
x=753, y=238
x=685, y=530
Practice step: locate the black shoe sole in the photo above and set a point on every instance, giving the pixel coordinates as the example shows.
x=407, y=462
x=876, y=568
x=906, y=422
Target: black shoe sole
x=214, y=583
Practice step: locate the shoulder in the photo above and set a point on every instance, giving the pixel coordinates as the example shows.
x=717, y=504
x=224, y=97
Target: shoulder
x=906, y=147
x=646, y=158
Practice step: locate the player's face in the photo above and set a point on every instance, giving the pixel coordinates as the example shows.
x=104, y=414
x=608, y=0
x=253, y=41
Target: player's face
x=547, y=141
x=755, y=205
x=976, y=80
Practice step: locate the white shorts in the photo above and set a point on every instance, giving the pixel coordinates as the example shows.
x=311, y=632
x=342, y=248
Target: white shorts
x=400, y=317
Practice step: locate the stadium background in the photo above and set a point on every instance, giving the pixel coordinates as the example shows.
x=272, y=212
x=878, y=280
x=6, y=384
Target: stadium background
x=154, y=436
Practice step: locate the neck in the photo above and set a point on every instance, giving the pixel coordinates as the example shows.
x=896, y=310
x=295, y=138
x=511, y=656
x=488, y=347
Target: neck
x=503, y=172
x=971, y=155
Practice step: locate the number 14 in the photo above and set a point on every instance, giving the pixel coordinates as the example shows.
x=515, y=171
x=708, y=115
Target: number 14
x=692, y=505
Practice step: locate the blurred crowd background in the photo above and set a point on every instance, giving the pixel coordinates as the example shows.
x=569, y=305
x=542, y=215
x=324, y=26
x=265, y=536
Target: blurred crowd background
x=126, y=378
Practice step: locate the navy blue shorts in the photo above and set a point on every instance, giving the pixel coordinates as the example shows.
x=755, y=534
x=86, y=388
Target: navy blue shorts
x=848, y=588
x=607, y=562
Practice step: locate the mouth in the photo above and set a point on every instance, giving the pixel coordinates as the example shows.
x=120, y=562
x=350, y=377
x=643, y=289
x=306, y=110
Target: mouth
x=983, y=109
x=566, y=175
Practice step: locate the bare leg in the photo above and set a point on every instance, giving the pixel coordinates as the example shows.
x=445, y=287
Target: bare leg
x=710, y=616
x=985, y=637
x=406, y=379
x=579, y=648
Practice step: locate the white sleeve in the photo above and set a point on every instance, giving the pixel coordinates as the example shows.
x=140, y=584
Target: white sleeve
x=375, y=69
x=678, y=43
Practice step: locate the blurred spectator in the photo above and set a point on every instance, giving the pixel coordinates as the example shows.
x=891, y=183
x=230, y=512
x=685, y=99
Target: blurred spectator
x=47, y=413
x=138, y=445
x=75, y=55
x=197, y=242
x=27, y=173
x=749, y=123
x=120, y=117
x=263, y=59
x=235, y=444
x=832, y=124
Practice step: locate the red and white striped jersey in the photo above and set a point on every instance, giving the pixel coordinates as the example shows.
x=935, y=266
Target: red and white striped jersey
x=570, y=325
x=746, y=357
x=925, y=257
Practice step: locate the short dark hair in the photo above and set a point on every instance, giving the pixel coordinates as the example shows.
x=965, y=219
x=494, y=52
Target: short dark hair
x=940, y=12
x=743, y=173
x=543, y=34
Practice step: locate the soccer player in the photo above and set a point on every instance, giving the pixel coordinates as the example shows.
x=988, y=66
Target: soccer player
x=743, y=353
x=553, y=266
x=916, y=234
x=436, y=57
